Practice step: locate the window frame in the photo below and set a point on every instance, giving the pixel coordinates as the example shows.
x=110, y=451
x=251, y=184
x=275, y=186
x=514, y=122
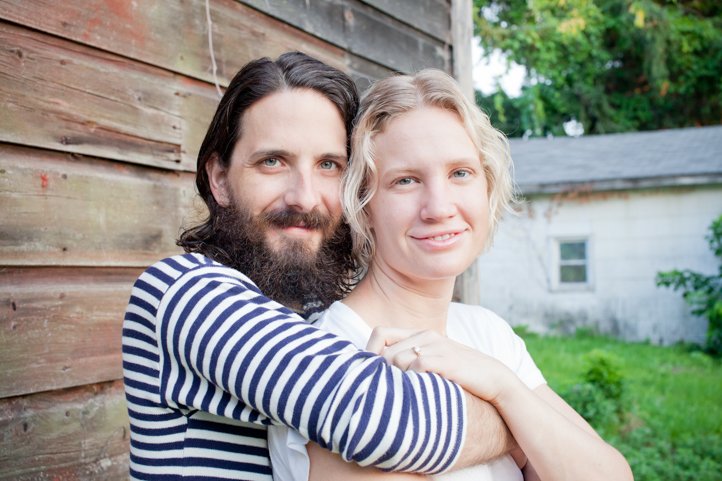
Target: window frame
x=557, y=264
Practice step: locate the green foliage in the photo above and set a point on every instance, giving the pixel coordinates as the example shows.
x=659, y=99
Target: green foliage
x=603, y=370
x=671, y=429
x=599, y=399
x=703, y=293
x=653, y=456
x=614, y=65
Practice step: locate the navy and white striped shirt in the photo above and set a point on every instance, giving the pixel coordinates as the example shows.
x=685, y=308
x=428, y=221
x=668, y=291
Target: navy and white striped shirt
x=209, y=361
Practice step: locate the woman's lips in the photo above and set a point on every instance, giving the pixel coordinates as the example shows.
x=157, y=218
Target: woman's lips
x=439, y=239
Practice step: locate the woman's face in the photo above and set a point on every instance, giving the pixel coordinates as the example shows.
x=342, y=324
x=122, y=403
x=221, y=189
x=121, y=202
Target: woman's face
x=430, y=213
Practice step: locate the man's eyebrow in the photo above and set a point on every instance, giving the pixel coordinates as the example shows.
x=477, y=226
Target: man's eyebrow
x=271, y=153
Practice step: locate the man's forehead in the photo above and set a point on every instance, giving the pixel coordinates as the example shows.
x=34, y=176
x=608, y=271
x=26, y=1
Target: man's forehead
x=298, y=121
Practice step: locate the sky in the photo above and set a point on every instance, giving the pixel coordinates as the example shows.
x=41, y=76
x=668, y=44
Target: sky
x=486, y=73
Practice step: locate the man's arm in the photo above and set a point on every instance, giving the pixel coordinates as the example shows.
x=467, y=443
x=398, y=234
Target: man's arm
x=487, y=436
x=228, y=350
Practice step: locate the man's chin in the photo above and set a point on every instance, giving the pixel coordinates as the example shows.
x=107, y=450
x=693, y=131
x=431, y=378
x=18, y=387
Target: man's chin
x=285, y=267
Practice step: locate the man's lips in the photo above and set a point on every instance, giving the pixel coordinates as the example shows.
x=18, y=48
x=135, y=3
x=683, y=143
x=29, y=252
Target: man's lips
x=298, y=230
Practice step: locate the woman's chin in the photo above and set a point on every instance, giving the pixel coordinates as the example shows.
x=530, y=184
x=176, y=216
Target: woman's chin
x=447, y=273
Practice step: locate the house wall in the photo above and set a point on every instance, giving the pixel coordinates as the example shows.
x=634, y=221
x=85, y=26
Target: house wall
x=633, y=235
x=104, y=106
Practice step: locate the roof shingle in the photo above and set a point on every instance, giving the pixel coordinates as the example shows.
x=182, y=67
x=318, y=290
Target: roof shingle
x=638, y=159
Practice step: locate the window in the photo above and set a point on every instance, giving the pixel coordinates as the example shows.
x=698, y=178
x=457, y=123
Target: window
x=573, y=262
x=571, y=266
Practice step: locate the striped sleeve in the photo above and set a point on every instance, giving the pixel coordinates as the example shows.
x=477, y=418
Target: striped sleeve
x=226, y=349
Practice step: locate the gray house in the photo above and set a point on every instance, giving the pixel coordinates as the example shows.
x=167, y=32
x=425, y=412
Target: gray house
x=602, y=215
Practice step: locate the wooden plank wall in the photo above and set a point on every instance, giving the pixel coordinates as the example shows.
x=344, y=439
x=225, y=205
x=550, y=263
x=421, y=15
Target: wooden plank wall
x=104, y=105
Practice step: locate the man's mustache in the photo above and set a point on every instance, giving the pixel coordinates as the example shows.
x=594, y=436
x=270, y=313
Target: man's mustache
x=292, y=218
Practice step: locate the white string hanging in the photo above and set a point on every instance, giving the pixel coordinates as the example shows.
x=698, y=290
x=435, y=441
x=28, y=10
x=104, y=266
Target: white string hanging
x=210, y=49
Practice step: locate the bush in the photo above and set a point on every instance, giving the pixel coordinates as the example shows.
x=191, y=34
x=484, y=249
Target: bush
x=599, y=398
x=703, y=293
x=589, y=401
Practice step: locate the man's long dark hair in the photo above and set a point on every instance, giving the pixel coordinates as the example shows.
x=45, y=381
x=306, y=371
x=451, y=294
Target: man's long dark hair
x=255, y=81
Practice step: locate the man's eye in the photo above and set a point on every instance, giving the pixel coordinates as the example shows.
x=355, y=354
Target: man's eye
x=271, y=162
x=329, y=165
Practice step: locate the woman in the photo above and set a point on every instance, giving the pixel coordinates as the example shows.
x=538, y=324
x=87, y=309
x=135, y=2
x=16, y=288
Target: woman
x=427, y=183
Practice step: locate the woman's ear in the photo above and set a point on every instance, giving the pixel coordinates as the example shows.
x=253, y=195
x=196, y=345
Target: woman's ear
x=218, y=181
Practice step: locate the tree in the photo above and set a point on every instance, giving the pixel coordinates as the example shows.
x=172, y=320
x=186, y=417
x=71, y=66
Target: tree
x=703, y=293
x=614, y=65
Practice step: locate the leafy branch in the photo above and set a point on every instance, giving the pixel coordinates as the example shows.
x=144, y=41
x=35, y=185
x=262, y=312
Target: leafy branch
x=702, y=292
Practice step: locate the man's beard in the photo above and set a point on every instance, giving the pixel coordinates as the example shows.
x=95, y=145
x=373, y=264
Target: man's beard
x=293, y=275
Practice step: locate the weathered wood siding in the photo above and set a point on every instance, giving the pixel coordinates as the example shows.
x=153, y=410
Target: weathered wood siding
x=104, y=105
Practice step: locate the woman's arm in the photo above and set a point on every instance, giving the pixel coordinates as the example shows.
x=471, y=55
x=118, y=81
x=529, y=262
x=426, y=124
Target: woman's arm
x=559, y=444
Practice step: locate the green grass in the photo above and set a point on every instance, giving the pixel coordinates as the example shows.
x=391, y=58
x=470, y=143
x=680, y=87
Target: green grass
x=672, y=429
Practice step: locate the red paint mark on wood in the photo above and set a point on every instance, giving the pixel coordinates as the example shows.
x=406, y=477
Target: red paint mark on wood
x=90, y=26
x=44, y=180
x=121, y=8
x=126, y=11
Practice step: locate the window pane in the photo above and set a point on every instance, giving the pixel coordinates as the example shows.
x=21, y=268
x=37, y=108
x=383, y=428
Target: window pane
x=572, y=250
x=572, y=274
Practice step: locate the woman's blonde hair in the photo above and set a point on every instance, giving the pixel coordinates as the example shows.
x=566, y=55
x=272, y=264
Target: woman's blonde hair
x=393, y=96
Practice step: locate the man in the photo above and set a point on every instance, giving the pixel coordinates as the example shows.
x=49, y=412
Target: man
x=210, y=360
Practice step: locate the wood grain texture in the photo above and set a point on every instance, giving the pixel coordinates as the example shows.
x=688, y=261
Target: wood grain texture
x=63, y=96
x=75, y=434
x=174, y=35
x=466, y=288
x=61, y=327
x=363, y=31
x=428, y=16
x=462, y=31
x=70, y=210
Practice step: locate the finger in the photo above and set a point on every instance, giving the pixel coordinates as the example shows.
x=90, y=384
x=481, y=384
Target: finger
x=387, y=336
x=418, y=340
x=402, y=359
x=419, y=364
x=409, y=351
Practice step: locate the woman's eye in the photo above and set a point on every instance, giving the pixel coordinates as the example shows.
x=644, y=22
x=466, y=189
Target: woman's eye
x=404, y=181
x=329, y=165
x=461, y=173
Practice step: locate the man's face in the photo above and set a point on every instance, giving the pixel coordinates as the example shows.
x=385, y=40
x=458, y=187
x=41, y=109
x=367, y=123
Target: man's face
x=285, y=170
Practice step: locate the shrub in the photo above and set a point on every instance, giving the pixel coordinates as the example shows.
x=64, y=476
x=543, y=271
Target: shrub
x=604, y=371
x=589, y=401
x=599, y=398
x=703, y=293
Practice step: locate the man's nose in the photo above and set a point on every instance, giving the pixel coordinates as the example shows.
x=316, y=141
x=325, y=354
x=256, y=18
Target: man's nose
x=302, y=192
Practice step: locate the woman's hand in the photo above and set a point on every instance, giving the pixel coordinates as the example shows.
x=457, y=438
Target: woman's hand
x=429, y=351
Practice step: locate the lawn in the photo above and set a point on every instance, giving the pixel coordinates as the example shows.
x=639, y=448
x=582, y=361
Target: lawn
x=671, y=428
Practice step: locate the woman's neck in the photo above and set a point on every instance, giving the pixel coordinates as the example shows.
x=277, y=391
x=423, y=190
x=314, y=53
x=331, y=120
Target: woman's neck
x=387, y=299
